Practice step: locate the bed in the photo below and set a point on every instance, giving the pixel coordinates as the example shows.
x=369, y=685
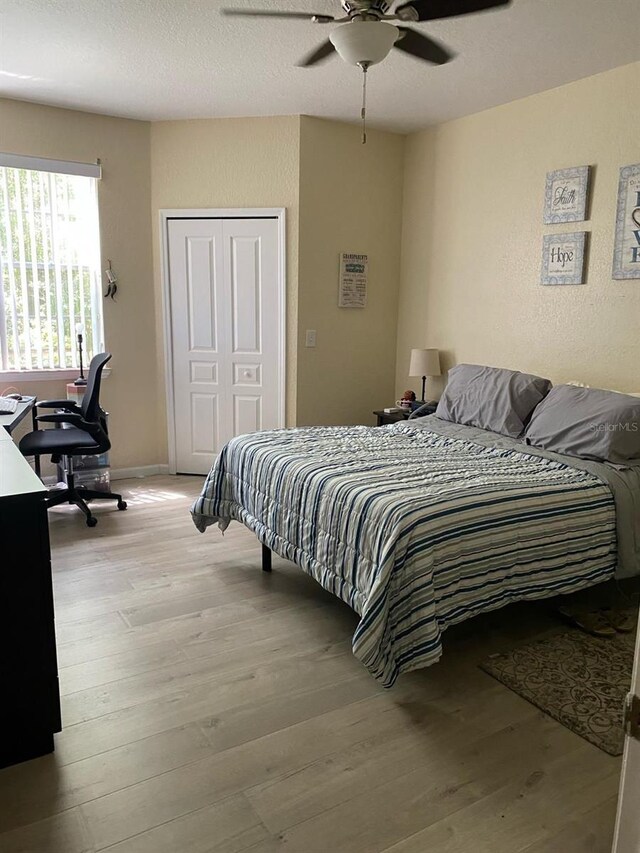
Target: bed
x=423, y=524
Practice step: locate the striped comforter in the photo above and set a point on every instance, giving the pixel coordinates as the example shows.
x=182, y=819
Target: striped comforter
x=414, y=530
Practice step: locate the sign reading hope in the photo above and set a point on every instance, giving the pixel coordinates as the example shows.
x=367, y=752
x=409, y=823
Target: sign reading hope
x=562, y=257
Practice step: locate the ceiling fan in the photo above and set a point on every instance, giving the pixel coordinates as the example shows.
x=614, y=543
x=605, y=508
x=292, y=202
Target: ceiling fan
x=364, y=35
x=371, y=40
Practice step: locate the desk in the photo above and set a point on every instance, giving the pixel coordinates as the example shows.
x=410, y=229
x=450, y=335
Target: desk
x=26, y=405
x=30, y=706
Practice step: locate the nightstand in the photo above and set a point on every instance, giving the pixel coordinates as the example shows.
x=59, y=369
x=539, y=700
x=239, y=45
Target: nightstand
x=390, y=417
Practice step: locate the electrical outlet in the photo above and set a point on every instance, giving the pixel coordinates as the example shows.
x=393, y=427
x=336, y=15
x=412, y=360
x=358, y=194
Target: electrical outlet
x=310, y=338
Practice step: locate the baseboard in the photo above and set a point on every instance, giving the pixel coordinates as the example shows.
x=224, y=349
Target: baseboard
x=139, y=471
x=121, y=473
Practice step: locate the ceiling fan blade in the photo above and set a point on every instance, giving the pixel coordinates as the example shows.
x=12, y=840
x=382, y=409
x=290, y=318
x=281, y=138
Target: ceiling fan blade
x=264, y=13
x=422, y=46
x=431, y=10
x=321, y=53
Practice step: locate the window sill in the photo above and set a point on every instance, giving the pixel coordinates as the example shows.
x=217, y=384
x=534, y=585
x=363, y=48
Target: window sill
x=19, y=376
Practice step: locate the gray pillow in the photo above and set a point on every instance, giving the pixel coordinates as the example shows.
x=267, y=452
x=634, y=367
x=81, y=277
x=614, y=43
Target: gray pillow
x=491, y=398
x=588, y=423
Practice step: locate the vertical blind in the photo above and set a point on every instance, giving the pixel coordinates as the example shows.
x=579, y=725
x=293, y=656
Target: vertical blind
x=49, y=267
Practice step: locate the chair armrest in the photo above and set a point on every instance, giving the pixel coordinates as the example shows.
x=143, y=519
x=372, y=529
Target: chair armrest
x=67, y=405
x=65, y=418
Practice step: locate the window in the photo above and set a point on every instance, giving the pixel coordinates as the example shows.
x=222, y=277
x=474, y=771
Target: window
x=49, y=266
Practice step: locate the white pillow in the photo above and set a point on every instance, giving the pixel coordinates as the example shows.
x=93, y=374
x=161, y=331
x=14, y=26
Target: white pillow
x=615, y=390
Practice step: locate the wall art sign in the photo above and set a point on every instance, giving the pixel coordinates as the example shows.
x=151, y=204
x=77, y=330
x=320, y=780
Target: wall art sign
x=565, y=195
x=626, y=252
x=563, y=258
x=354, y=270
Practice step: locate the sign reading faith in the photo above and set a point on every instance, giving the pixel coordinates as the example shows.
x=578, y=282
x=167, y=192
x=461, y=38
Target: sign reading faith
x=353, y=280
x=563, y=258
x=565, y=196
x=626, y=253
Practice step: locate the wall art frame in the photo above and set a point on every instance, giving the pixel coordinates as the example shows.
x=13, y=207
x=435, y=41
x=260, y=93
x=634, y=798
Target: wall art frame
x=563, y=258
x=566, y=195
x=626, y=249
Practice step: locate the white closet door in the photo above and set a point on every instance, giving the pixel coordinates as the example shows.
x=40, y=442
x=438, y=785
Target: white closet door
x=196, y=274
x=251, y=270
x=225, y=324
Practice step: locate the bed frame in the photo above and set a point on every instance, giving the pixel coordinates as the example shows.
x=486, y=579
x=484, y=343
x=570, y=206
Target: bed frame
x=266, y=559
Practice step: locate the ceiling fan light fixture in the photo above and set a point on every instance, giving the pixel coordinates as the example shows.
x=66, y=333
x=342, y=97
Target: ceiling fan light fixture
x=364, y=42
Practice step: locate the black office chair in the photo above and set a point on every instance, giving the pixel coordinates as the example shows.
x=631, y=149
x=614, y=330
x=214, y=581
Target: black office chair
x=87, y=436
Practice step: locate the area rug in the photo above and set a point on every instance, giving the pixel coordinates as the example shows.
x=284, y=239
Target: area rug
x=579, y=680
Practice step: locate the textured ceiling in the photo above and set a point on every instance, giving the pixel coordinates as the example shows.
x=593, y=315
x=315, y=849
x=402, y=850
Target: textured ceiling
x=170, y=59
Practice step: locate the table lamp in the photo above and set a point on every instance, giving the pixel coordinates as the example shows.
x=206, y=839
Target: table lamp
x=424, y=362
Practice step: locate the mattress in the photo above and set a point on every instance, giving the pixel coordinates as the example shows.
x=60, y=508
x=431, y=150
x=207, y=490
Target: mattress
x=416, y=530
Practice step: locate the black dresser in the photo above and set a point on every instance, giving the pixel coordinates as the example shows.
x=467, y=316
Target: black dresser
x=30, y=698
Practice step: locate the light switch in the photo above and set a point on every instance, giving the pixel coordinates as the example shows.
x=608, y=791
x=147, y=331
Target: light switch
x=310, y=338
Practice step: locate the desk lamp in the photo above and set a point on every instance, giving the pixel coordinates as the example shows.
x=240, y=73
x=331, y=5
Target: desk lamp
x=80, y=381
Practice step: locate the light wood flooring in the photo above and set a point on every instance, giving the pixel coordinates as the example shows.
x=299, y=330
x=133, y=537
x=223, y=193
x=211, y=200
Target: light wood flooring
x=210, y=708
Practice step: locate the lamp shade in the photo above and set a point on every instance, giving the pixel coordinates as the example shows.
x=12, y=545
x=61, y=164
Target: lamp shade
x=363, y=41
x=424, y=362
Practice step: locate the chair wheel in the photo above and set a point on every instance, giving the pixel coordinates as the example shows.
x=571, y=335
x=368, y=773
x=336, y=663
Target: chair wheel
x=91, y=521
x=122, y=504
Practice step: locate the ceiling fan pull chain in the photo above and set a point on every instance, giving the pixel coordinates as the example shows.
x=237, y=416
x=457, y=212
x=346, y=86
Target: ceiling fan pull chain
x=363, y=111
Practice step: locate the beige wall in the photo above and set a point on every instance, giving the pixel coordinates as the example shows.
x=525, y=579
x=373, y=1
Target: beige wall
x=217, y=163
x=350, y=201
x=263, y=162
x=464, y=230
x=313, y=168
x=472, y=235
x=125, y=236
